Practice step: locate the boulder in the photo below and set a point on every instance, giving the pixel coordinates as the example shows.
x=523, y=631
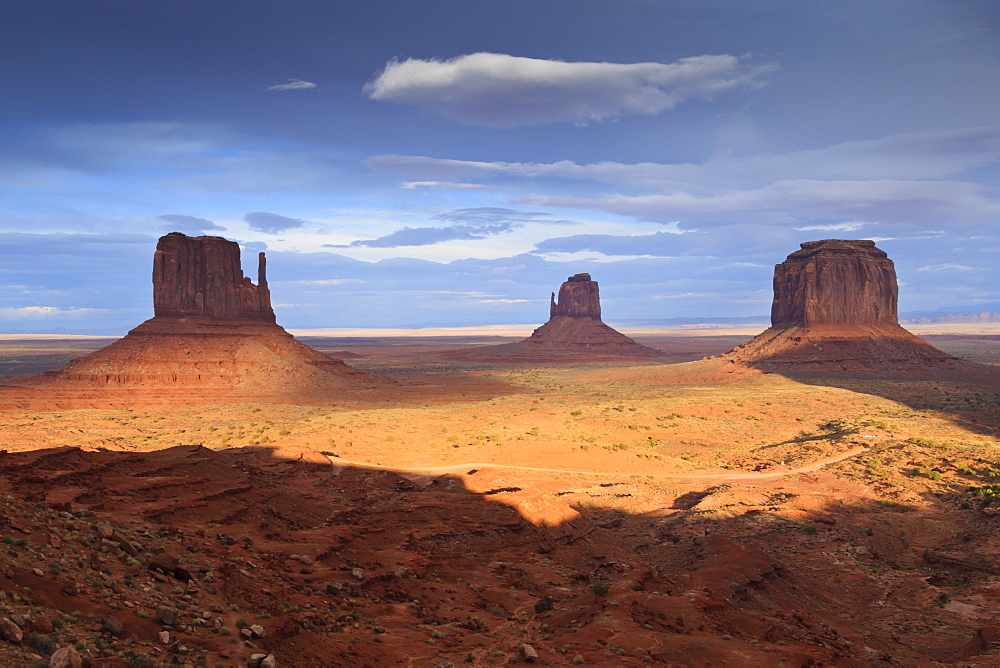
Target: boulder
x=66, y=657
x=167, y=615
x=10, y=631
x=528, y=653
x=112, y=625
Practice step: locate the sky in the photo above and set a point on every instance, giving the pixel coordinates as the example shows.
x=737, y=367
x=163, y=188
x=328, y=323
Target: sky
x=410, y=163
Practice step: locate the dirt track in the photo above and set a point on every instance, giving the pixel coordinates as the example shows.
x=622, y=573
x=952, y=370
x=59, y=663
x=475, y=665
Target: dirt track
x=458, y=468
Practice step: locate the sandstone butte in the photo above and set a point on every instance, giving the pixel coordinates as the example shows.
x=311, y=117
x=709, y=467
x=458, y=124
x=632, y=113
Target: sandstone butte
x=574, y=331
x=213, y=335
x=834, y=309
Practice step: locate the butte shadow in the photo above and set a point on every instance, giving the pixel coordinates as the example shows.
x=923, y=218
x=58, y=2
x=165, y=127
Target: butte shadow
x=213, y=337
x=574, y=333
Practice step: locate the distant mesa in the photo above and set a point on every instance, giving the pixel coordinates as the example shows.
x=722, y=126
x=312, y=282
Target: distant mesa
x=213, y=336
x=575, y=324
x=834, y=308
x=574, y=331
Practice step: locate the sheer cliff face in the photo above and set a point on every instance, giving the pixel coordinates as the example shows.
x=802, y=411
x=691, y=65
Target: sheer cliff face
x=578, y=298
x=202, y=277
x=835, y=282
x=835, y=310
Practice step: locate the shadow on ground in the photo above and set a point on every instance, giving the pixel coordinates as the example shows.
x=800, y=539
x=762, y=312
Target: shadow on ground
x=341, y=565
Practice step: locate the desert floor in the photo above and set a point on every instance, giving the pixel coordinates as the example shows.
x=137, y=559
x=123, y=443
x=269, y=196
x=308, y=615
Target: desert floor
x=602, y=513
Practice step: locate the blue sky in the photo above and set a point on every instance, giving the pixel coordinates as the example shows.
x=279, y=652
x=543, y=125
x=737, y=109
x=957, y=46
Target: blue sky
x=409, y=163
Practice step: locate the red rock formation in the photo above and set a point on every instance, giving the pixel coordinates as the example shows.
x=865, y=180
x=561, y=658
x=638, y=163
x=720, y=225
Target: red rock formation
x=579, y=297
x=835, y=282
x=574, y=331
x=201, y=277
x=834, y=308
x=213, y=336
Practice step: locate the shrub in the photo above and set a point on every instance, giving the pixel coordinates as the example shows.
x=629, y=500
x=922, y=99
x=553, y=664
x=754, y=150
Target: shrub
x=41, y=643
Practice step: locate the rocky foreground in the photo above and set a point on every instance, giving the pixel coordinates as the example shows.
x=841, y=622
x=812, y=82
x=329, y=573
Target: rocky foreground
x=242, y=557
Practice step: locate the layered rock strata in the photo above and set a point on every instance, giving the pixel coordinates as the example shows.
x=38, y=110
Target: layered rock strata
x=213, y=336
x=834, y=308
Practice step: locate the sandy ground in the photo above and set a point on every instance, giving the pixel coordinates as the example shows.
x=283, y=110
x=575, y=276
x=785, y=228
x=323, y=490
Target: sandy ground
x=625, y=514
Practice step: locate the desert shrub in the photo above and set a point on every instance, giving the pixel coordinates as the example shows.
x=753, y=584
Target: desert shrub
x=40, y=643
x=600, y=588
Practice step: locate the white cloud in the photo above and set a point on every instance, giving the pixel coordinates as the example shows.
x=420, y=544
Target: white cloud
x=836, y=227
x=44, y=312
x=330, y=281
x=946, y=267
x=500, y=90
x=293, y=84
x=442, y=185
x=590, y=256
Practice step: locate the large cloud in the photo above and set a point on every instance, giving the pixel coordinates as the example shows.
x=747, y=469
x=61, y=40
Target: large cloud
x=499, y=90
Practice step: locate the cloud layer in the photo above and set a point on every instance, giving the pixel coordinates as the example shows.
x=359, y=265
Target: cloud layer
x=500, y=90
x=189, y=225
x=271, y=223
x=904, y=178
x=477, y=223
